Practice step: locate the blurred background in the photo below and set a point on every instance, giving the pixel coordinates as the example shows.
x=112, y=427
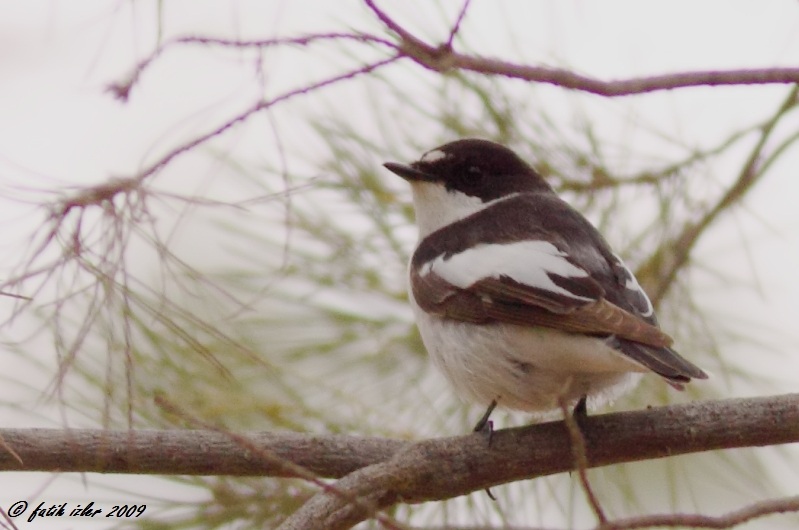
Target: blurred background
x=247, y=259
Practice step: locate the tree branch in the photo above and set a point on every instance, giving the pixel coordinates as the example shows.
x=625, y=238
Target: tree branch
x=671, y=520
x=416, y=471
x=659, y=272
x=449, y=467
x=624, y=87
x=729, y=520
x=442, y=58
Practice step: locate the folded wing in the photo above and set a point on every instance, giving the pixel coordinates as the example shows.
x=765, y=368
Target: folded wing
x=477, y=273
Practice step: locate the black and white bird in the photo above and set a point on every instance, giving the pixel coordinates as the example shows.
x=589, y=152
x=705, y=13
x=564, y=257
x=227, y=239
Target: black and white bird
x=518, y=298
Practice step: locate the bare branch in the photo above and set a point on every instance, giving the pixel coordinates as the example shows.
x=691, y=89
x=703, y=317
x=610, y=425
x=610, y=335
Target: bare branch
x=623, y=87
x=288, y=467
x=122, y=203
x=258, y=107
x=382, y=472
x=609, y=439
x=457, y=26
x=442, y=58
x=730, y=520
x=448, y=467
x=670, y=258
x=577, y=444
x=122, y=90
x=187, y=452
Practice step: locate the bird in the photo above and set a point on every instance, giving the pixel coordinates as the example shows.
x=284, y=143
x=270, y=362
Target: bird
x=519, y=300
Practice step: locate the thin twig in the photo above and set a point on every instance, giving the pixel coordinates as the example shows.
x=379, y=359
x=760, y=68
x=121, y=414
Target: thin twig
x=260, y=106
x=670, y=258
x=122, y=90
x=581, y=459
x=457, y=26
x=729, y=520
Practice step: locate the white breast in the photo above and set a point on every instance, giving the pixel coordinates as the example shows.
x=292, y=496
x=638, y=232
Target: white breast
x=524, y=368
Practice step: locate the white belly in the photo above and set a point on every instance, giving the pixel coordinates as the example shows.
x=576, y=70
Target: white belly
x=525, y=368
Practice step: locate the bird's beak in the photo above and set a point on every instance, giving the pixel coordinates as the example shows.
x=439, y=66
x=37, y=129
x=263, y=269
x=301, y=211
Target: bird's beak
x=407, y=172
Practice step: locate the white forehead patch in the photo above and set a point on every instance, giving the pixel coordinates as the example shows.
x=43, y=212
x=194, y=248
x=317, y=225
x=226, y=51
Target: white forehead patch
x=433, y=156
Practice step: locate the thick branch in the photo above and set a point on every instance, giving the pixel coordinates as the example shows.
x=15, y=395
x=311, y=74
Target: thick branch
x=187, y=452
x=454, y=466
x=448, y=467
x=380, y=472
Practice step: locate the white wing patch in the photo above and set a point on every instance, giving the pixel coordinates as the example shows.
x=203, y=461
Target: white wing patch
x=527, y=262
x=631, y=283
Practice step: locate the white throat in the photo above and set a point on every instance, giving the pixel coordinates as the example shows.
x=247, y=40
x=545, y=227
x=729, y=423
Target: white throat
x=437, y=207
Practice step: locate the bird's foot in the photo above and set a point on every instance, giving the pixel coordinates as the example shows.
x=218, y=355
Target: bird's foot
x=486, y=426
x=581, y=409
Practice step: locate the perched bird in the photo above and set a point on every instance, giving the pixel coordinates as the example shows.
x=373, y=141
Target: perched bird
x=518, y=298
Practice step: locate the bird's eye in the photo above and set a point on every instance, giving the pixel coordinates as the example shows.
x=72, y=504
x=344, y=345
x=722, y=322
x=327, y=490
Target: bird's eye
x=474, y=170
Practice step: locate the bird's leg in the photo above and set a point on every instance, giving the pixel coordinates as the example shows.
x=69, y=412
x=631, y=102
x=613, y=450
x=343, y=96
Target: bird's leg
x=484, y=424
x=581, y=409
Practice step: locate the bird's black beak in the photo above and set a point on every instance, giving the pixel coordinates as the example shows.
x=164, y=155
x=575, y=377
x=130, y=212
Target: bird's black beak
x=407, y=172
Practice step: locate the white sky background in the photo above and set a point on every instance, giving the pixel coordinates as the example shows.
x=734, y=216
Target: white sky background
x=59, y=127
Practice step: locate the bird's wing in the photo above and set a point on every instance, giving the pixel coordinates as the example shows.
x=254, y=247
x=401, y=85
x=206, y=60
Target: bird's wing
x=532, y=260
x=530, y=282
